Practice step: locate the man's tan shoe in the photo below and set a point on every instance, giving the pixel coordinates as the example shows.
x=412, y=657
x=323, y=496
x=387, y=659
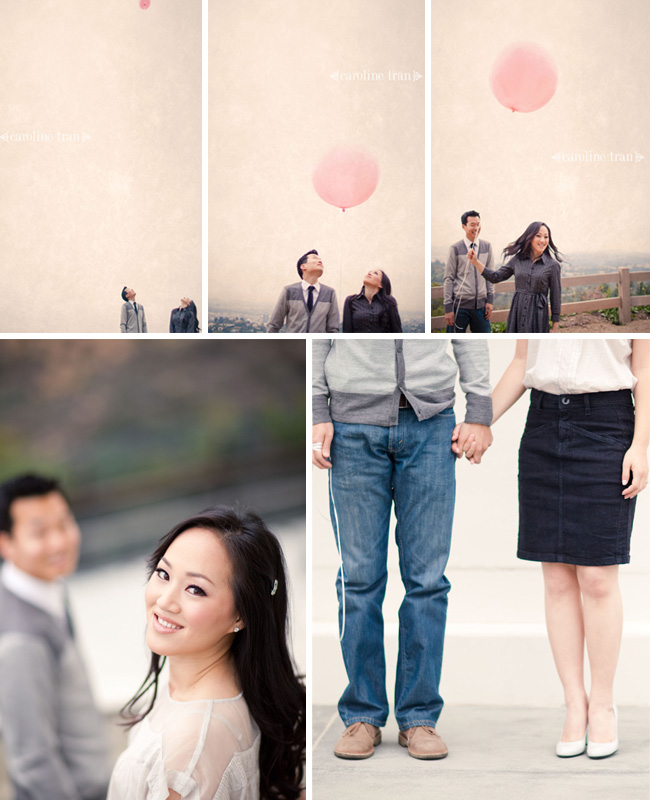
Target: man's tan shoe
x=358, y=741
x=423, y=742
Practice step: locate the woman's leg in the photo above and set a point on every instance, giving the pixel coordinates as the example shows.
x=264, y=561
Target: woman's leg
x=564, y=622
x=603, y=616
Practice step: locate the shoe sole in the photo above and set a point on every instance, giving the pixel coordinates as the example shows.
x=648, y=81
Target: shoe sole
x=597, y=758
x=424, y=756
x=354, y=756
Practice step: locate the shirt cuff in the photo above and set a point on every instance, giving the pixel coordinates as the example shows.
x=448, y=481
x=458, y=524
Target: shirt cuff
x=449, y=307
x=479, y=409
x=320, y=409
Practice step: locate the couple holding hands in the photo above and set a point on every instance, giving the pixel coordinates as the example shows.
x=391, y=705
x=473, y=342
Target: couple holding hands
x=384, y=428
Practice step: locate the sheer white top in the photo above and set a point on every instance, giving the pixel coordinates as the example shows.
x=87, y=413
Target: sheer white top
x=203, y=749
x=576, y=366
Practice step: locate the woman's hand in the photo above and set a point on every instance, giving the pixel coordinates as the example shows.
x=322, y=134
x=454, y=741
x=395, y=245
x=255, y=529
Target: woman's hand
x=321, y=439
x=473, y=259
x=635, y=462
x=555, y=327
x=471, y=440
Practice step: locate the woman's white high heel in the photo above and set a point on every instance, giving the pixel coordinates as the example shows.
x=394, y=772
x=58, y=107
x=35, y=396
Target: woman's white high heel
x=604, y=749
x=570, y=749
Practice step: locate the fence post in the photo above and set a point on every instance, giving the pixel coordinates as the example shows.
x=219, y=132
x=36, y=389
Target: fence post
x=624, y=311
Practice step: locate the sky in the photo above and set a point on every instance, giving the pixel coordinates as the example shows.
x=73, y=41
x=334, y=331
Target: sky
x=275, y=111
x=81, y=218
x=502, y=164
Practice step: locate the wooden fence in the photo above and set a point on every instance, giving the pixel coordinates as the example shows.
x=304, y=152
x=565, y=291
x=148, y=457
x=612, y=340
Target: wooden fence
x=623, y=302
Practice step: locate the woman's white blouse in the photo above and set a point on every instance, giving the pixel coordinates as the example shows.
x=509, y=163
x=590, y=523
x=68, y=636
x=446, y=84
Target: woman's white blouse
x=577, y=366
x=203, y=749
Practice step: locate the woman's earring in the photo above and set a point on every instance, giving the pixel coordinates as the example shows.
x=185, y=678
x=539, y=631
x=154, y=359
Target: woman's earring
x=236, y=630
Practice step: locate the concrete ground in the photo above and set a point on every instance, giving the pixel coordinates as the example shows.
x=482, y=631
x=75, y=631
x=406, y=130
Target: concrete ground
x=495, y=753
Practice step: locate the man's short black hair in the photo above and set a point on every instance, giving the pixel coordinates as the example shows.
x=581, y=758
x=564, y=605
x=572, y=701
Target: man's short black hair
x=304, y=258
x=463, y=219
x=20, y=487
x=124, y=293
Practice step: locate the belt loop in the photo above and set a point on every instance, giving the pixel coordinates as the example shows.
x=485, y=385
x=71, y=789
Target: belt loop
x=538, y=400
x=587, y=406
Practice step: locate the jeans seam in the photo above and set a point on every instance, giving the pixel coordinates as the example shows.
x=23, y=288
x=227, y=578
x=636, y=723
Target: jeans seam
x=353, y=720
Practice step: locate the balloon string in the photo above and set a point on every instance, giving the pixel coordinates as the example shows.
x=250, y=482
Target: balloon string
x=340, y=297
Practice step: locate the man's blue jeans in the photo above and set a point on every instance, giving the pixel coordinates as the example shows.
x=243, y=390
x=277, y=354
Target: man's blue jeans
x=472, y=317
x=410, y=464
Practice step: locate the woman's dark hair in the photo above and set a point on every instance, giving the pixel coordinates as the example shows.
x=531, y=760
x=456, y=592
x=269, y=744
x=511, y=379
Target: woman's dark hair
x=523, y=245
x=385, y=283
x=195, y=326
x=274, y=694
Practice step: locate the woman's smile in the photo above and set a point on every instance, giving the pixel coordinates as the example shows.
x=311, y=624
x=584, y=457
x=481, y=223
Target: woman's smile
x=164, y=625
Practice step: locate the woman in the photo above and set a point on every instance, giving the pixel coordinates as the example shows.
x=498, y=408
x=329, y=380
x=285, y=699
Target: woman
x=231, y=723
x=582, y=461
x=374, y=309
x=184, y=319
x=536, y=273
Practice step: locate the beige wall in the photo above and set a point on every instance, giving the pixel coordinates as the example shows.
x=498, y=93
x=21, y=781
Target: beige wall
x=486, y=157
x=275, y=109
x=79, y=220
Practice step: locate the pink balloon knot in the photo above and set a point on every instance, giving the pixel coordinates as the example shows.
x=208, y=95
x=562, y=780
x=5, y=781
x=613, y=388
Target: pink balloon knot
x=145, y=3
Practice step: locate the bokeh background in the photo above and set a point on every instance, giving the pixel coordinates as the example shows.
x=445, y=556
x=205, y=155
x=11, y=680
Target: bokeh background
x=143, y=434
x=80, y=219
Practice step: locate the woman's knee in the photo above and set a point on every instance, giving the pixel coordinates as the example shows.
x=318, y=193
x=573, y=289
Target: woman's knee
x=560, y=579
x=598, y=582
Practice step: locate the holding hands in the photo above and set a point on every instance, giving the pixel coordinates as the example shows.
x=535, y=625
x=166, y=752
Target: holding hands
x=471, y=440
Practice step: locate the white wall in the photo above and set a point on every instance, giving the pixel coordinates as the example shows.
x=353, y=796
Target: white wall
x=496, y=649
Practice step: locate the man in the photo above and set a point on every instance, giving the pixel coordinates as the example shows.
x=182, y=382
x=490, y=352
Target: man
x=132, y=319
x=54, y=738
x=307, y=306
x=468, y=297
x=383, y=423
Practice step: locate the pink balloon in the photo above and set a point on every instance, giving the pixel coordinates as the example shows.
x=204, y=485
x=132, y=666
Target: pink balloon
x=346, y=177
x=523, y=77
x=145, y=3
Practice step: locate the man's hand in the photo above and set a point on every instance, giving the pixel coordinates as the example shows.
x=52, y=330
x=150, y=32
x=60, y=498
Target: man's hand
x=488, y=310
x=471, y=440
x=449, y=318
x=321, y=434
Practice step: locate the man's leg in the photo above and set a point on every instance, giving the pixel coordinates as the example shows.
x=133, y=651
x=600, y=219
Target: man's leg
x=424, y=488
x=360, y=505
x=478, y=323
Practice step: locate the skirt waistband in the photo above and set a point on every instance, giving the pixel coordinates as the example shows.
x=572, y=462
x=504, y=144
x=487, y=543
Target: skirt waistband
x=588, y=400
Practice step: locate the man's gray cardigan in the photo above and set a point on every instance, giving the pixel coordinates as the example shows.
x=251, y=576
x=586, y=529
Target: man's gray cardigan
x=324, y=316
x=361, y=380
x=464, y=286
x=53, y=736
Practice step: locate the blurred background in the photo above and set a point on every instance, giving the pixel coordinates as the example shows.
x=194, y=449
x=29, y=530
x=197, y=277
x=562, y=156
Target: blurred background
x=143, y=434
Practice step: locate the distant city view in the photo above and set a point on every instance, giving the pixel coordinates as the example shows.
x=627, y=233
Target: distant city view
x=242, y=321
